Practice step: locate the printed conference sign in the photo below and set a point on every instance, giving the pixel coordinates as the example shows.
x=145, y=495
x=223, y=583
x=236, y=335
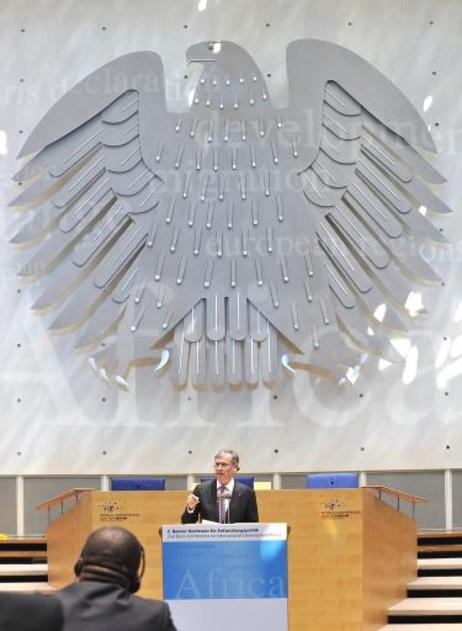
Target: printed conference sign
x=235, y=571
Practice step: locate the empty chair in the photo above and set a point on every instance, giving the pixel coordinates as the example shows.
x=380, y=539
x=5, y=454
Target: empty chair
x=137, y=484
x=332, y=480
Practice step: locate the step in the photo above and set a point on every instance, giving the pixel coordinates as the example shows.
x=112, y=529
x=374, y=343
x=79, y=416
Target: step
x=42, y=588
x=23, y=549
x=456, y=626
x=427, y=607
x=24, y=541
x=438, y=549
x=23, y=569
x=22, y=554
x=439, y=534
x=440, y=564
x=435, y=582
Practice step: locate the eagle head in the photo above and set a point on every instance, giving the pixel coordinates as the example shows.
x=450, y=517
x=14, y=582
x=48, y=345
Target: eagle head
x=222, y=57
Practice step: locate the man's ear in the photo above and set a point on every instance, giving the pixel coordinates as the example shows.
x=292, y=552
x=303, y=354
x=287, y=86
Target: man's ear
x=78, y=567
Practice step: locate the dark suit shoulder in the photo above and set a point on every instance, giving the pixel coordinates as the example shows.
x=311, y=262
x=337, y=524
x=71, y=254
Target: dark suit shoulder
x=93, y=600
x=155, y=610
x=150, y=604
x=91, y=589
x=29, y=612
x=243, y=488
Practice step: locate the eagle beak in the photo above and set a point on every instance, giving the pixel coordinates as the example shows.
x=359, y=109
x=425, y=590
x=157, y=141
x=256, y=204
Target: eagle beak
x=199, y=61
x=202, y=53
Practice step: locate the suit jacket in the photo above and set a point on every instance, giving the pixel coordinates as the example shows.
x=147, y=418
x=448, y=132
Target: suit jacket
x=242, y=505
x=97, y=606
x=30, y=612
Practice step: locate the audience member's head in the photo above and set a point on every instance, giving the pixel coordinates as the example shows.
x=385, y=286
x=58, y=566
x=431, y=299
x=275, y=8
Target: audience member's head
x=30, y=612
x=112, y=555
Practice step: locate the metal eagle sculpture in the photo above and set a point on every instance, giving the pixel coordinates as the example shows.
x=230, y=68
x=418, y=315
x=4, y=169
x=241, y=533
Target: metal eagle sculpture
x=234, y=242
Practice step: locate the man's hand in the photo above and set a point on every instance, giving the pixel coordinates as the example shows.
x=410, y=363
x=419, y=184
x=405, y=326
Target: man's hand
x=192, y=501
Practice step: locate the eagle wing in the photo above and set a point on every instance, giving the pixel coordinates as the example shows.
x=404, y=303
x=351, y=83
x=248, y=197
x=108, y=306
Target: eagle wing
x=94, y=186
x=365, y=185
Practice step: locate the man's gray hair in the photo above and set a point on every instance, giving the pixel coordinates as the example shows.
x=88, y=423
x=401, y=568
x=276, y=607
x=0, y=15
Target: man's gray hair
x=230, y=452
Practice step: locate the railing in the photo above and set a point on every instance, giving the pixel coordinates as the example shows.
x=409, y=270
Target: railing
x=59, y=500
x=398, y=495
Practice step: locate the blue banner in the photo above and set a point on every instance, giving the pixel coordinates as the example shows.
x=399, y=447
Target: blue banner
x=225, y=569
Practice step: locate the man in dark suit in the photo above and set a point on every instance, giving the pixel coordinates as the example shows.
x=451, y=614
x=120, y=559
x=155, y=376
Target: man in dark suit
x=109, y=573
x=223, y=499
x=30, y=612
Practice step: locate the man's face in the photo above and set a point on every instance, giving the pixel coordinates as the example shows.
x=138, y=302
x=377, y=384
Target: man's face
x=225, y=470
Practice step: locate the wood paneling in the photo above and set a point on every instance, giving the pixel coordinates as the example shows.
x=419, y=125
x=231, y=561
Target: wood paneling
x=350, y=555
x=324, y=555
x=65, y=538
x=389, y=559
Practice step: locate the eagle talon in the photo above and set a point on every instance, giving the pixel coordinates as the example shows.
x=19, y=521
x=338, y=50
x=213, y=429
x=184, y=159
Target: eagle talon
x=120, y=381
x=285, y=359
x=102, y=372
x=164, y=359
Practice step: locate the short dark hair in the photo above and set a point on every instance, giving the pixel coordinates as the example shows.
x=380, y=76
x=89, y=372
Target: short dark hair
x=234, y=455
x=116, y=546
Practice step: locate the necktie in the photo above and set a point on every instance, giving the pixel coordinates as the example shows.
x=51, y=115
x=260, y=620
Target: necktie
x=223, y=494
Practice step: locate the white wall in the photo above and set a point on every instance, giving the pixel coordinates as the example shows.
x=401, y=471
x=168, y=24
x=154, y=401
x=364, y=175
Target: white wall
x=58, y=418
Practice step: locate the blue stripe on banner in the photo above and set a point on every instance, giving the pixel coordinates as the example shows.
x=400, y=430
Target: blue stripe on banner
x=234, y=569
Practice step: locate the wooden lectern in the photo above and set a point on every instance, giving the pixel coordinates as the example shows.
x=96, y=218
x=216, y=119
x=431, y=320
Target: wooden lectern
x=350, y=554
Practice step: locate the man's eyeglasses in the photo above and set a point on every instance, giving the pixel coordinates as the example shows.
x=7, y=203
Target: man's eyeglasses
x=222, y=465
